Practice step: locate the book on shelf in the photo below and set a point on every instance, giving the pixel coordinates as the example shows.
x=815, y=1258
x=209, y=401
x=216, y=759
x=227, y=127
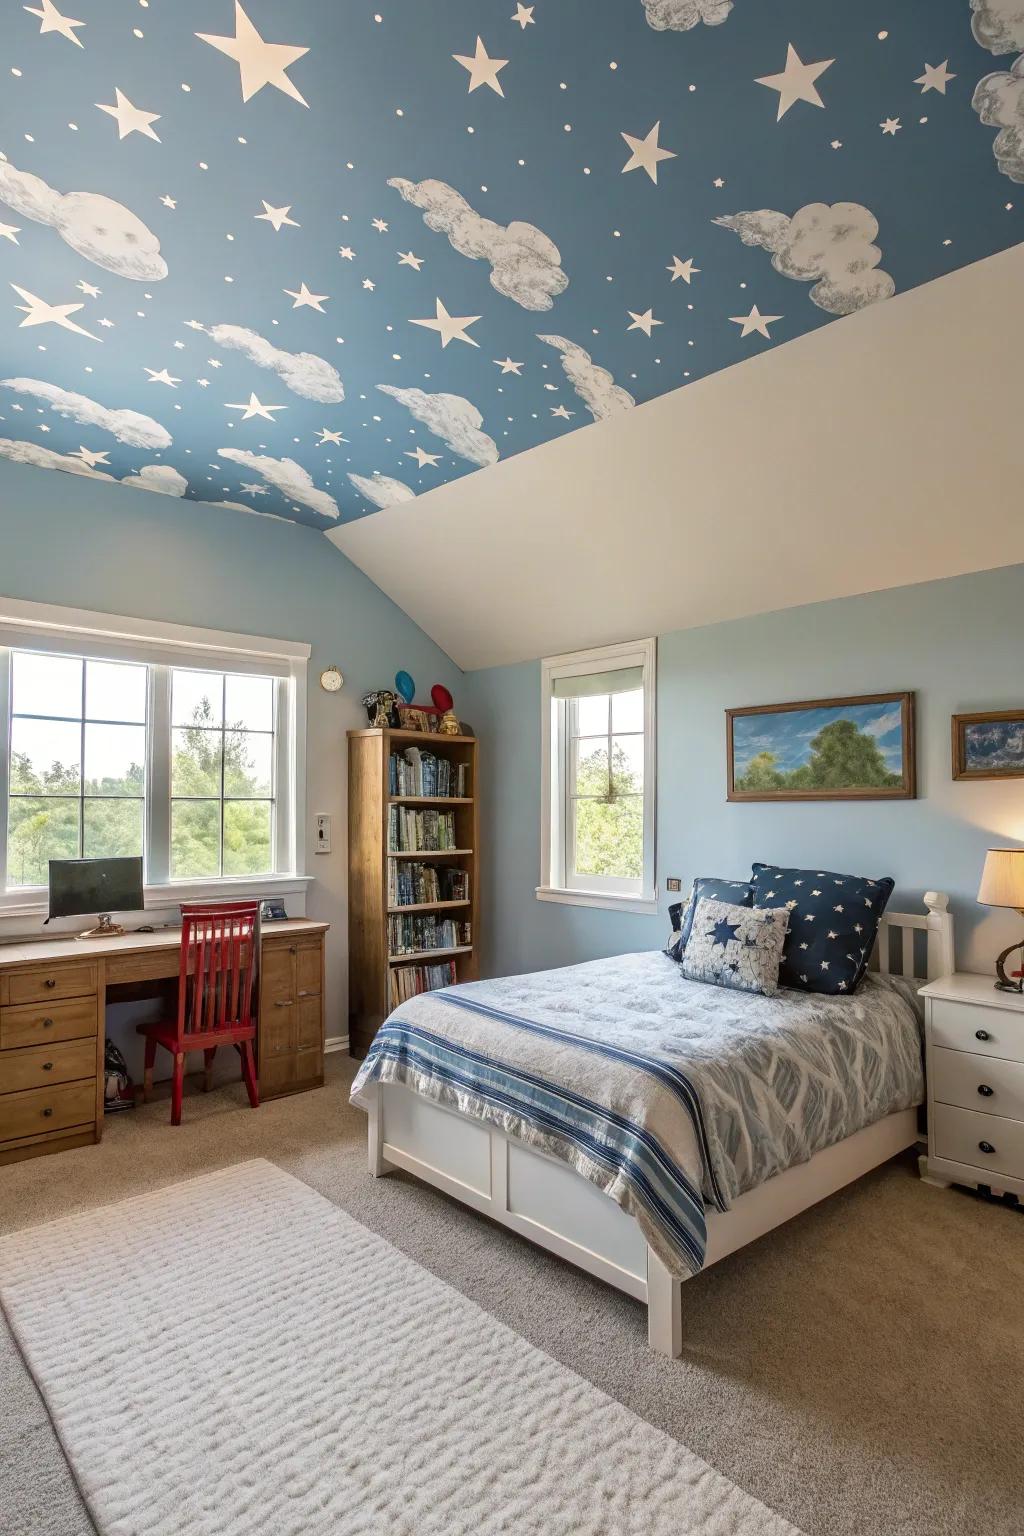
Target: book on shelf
x=405, y=981
x=426, y=775
x=408, y=934
x=411, y=830
x=411, y=884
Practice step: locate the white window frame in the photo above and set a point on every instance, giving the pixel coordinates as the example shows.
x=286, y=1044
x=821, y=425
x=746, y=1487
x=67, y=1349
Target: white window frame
x=162, y=646
x=554, y=884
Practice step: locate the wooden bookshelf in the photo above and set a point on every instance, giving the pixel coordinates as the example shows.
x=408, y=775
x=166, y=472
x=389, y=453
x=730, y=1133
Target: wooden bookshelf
x=369, y=802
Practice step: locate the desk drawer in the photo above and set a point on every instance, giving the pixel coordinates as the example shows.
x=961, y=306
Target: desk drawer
x=307, y=969
x=987, y=1031
x=981, y=1083
x=958, y=1134
x=39, y=1025
x=47, y=1109
x=48, y=983
x=41, y=1066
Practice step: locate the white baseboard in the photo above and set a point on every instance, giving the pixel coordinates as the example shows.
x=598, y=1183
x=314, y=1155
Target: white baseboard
x=335, y=1043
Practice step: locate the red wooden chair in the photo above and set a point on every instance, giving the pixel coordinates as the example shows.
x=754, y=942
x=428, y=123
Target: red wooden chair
x=220, y=944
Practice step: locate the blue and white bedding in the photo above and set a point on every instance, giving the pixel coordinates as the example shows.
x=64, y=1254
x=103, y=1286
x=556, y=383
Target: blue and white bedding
x=672, y=1096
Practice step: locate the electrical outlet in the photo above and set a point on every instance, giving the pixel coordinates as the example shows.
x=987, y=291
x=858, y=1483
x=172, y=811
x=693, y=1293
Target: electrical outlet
x=673, y=884
x=323, y=834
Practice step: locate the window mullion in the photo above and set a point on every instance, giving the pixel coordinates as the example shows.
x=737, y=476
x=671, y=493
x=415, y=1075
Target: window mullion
x=158, y=776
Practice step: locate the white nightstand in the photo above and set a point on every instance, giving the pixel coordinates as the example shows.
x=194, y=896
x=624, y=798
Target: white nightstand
x=974, y=1061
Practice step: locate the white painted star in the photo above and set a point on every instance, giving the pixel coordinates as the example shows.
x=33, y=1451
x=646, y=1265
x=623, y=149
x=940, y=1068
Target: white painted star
x=422, y=457
x=891, y=126
x=52, y=21
x=169, y=202
x=107, y=324
x=161, y=376
x=407, y=259
x=254, y=490
x=347, y=252
x=449, y=327
x=507, y=365
x=38, y=312
x=380, y=225
x=9, y=232
x=837, y=143
x=129, y=118
x=482, y=70
x=259, y=63
x=524, y=16
x=560, y=410
x=755, y=321
x=255, y=408
x=684, y=269
x=642, y=322
x=327, y=436
x=369, y=284
x=796, y=82
x=303, y=298
x=646, y=153
x=935, y=78
x=718, y=182
x=276, y=216
x=88, y=457
x=88, y=288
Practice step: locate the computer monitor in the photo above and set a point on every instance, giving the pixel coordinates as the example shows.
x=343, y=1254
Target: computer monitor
x=95, y=885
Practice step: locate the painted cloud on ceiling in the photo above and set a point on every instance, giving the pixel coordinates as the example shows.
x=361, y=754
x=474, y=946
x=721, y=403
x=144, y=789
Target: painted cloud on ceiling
x=524, y=262
x=681, y=15
x=421, y=238
x=831, y=246
x=103, y=231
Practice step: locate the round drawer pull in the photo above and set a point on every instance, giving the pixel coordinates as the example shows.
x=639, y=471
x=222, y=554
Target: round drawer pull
x=982, y=1034
x=47, y=1066
x=985, y=1091
x=985, y=1146
x=51, y=981
x=47, y=1113
x=47, y=1023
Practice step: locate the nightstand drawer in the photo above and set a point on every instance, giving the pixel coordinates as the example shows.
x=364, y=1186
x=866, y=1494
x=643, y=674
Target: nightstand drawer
x=980, y=1083
x=971, y=1027
x=963, y=1135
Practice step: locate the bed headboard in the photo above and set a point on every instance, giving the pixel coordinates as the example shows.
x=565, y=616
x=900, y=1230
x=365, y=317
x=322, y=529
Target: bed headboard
x=937, y=945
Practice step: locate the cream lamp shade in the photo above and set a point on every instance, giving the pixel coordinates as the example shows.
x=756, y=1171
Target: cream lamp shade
x=1002, y=879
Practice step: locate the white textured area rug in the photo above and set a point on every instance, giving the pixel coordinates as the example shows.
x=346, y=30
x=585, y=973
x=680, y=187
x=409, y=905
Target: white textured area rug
x=235, y=1355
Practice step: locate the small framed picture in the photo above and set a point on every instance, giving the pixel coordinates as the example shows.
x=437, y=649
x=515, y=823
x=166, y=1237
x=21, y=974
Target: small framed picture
x=413, y=719
x=859, y=748
x=989, y=746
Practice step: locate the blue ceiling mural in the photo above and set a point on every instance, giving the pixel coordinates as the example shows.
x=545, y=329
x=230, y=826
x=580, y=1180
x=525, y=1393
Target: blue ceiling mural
x=310, y=258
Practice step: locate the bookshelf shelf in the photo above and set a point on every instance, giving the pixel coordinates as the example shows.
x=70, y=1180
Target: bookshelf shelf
x=377, y=872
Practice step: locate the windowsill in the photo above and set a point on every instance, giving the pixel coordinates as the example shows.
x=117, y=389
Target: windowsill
x=14, y=904
x=644, y=906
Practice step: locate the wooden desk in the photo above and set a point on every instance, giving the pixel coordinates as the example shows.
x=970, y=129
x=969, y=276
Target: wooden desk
x=53, y=998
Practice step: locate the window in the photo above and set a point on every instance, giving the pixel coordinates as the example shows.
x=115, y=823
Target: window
x=185, y=753
x=597, y=843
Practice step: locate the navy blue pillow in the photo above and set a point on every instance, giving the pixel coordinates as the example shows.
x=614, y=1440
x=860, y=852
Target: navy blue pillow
x=739, y=892
x=833, y=921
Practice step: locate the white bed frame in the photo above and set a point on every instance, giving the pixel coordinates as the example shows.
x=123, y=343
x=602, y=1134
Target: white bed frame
x=551, y=1204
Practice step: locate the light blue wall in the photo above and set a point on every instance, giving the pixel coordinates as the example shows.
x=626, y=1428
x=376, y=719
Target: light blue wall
x=959, y=644
x=88, y=544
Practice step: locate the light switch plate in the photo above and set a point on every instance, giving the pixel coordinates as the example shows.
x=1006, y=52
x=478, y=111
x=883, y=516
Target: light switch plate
x=323, y=834
x=672, y=884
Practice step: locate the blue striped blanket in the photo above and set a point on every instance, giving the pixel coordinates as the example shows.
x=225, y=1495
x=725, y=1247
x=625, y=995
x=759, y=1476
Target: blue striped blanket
x=673, y=1097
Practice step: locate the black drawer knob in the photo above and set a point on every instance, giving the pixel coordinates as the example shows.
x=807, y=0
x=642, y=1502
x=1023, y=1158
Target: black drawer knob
x=47, y=1066
x=47, y=1023
x=985, y=1146
x=51, y=981
x=985, y=1091
x=47, y=1113
x=982, y=1034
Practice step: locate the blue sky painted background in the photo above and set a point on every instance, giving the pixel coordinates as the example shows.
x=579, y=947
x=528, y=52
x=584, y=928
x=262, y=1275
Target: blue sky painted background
x=790, y=735
x=251, y=294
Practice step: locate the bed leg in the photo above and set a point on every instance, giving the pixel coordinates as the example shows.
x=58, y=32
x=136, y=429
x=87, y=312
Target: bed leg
x=664, y=1308
x=375, y=1135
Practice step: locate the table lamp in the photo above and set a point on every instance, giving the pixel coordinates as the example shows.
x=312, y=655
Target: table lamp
x=1002, y=885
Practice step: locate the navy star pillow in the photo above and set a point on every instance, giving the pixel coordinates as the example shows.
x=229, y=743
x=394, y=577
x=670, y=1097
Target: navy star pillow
x=735, y=946
x=833, y=922
x=739, y=892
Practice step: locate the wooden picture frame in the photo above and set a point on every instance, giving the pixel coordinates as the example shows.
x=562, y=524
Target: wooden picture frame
x=870, y=707
x=992, y=717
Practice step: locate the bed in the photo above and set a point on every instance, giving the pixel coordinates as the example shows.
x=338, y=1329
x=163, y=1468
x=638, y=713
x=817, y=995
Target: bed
x=494, y=1092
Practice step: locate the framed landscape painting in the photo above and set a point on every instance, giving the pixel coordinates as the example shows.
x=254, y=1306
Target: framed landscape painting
x=989, y=746
x=823, y=749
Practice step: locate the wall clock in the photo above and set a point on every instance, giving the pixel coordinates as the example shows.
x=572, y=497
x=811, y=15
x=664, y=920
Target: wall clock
x=331, y=680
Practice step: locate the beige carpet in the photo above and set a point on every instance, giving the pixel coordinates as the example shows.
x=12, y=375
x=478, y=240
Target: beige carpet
x=860, y=1370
